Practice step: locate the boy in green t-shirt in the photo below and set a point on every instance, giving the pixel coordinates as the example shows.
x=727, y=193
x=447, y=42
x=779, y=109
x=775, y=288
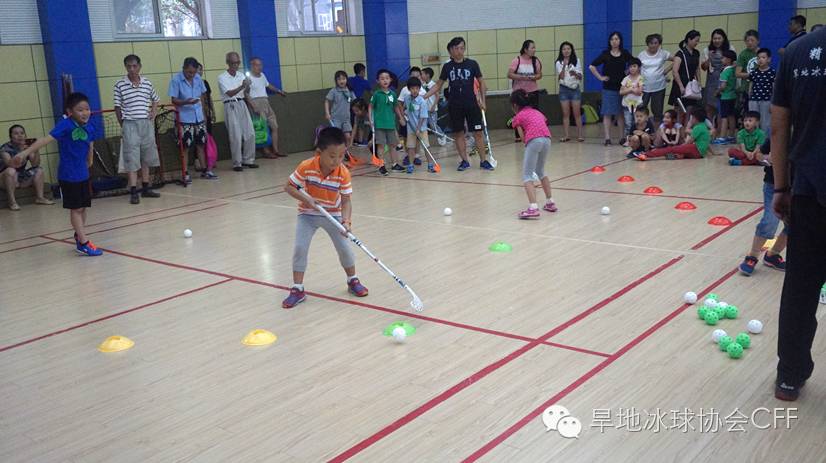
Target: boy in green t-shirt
x=750, y=138
x=728, y=96
x=382, y=111
x=696, y=144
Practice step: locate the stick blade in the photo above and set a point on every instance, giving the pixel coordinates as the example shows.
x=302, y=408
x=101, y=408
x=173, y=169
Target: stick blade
x=376, y=161
x=417, y=304
x=437, y=167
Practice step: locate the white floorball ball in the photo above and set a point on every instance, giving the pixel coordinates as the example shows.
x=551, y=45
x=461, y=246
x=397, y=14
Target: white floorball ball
x=717, y=334
x=399, y=334
x=690, y=297
x=448, y=211
x=187, y=233
x=710, y=303
x=605, y=210
x=755, y=326
x=722, y=305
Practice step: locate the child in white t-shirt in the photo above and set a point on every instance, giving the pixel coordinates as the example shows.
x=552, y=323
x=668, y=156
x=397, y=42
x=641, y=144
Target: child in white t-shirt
x=631, y=91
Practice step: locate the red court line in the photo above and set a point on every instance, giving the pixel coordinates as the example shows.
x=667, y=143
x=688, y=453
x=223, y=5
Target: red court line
x=467, y=382
x=347, y=301
x=27, y=247
x=726, y=229
x=590, y=374
x=117, y=314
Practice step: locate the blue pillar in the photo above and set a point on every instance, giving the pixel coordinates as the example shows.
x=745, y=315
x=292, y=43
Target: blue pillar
x=386, y=36
x=600, y=18
x=67, y=44
x=772, y=22
x=259, y=37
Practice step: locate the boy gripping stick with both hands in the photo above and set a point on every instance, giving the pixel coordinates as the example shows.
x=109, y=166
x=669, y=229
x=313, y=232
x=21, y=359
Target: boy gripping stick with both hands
x=750, y=138
x=74, y=135
x=415, y=118
x=327, y=182
x=382, y=112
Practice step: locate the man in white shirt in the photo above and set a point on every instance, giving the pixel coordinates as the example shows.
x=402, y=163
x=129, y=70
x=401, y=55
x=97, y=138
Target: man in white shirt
x=136, y=104
x=233, y=86
x=260, y=104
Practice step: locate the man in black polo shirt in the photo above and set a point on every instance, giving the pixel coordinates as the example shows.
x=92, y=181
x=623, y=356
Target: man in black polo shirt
x=797, y=27
x=798, y=107
x=463, y=106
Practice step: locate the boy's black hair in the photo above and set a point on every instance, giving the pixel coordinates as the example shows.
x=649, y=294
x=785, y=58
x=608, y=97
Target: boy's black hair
x=519, y=98
x=358, y=68
x=752, y=114
x=340, y=73
x=128, y=58
x=329, y=136
x=455, y=41
x=673, y=114
x=634, y=61
x=415, y=69
x=730, y=54
x=75, y=99
x=766, y=51
x=191, y=62
x=429, y=71
x=414, y=82
x=799, y=19
x=700, y=115
x=751, y=33
x=15, y=126
x=642, y=110
x=359, y=103
x=384, y=71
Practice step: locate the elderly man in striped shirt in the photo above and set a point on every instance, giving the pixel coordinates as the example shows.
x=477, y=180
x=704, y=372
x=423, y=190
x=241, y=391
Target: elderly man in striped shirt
x=136, y=104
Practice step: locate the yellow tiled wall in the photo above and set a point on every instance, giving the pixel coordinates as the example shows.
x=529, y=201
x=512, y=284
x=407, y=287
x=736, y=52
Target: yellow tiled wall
x=674, y=30
x=494, y=49
x=813, y=16
x=309, y=63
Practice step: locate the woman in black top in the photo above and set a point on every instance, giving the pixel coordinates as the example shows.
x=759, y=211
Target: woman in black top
x=614, y=60
x=686, y=68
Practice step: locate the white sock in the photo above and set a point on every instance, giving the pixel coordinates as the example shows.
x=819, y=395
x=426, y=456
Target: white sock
x=534, y=206
x=349, y=279
x=298, y=287
x=550, y=200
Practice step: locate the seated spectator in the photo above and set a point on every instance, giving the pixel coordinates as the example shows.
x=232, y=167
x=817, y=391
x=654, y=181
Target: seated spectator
x=18, y=171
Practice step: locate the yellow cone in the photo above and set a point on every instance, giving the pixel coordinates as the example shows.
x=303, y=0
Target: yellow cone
x=259, y=338
x=116, y=344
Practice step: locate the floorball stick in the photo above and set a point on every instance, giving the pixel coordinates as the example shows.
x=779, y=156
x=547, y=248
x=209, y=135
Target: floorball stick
x=491, y=159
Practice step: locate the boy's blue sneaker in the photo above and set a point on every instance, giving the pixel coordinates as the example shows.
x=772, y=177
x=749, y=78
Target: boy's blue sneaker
x=734, y=162
x=464, y=165
x=431, y=168
x=776, y=262
x=417, y=161
x=485, y=165
x=731, y=140
x=88, y=249
x=719, y=141
x=747, y=267
x=296, y=297
x=410, y=169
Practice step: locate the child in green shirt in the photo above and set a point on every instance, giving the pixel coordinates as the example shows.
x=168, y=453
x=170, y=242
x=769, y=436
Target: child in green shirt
x=383, y=110
x=728, y=97
x=750, y=138
x=696, y=144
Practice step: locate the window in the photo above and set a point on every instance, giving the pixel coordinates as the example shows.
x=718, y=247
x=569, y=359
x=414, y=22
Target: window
x=167, y=18
x=317, y=16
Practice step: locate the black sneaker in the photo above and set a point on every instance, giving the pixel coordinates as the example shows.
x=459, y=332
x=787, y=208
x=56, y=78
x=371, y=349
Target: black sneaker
x=134, y=199
x=417, y=161
x=149, y=193
x=383, y=170
x=238, y=169
x=607, y=142
x=784, y=391
x=398, y=168
x=250, y=166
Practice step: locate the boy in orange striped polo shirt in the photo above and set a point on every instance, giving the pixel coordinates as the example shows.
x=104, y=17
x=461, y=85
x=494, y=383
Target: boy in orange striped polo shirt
x=327, y=181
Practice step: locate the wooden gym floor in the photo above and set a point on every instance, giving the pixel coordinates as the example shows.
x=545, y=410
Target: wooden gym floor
x=586, y=312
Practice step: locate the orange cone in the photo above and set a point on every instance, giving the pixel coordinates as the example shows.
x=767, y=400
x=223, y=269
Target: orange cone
x=625, y=179
x=720, y=221
x=653, y=190
x=685, y=206
x=597, y=169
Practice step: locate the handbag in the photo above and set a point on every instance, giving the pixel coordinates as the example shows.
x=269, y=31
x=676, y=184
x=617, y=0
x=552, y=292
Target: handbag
x=693, y=91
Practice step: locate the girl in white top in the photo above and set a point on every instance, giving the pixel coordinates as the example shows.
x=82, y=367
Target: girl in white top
x=569, y=75
x=655, y=69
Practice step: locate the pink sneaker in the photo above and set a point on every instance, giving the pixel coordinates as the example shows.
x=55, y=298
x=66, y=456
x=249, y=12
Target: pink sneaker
x=529, y=213
x=550, y=206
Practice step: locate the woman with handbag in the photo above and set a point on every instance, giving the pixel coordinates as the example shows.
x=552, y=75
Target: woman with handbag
x=569, y=74
x=686, y=92
x=524, y=72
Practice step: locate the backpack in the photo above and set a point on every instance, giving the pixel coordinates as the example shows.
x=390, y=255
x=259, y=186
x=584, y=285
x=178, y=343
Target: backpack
x=590, y=115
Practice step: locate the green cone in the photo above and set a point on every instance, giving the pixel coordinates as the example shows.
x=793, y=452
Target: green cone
x=408, y=328
x=500, y=246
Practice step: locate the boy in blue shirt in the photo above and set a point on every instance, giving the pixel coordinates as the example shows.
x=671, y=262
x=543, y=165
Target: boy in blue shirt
x=74, y=134
x=416, y=113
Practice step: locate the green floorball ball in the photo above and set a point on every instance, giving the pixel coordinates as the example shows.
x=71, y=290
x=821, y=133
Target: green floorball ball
x=721, y=312
x=732, y=312
x=744, y=340
x=713, y=296
x=734, y=350
x=702, y=311
x=724, y=342
x=711, y=318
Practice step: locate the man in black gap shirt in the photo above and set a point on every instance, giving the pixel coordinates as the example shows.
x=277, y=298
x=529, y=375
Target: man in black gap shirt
x=462, y=104
x=799, y=102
